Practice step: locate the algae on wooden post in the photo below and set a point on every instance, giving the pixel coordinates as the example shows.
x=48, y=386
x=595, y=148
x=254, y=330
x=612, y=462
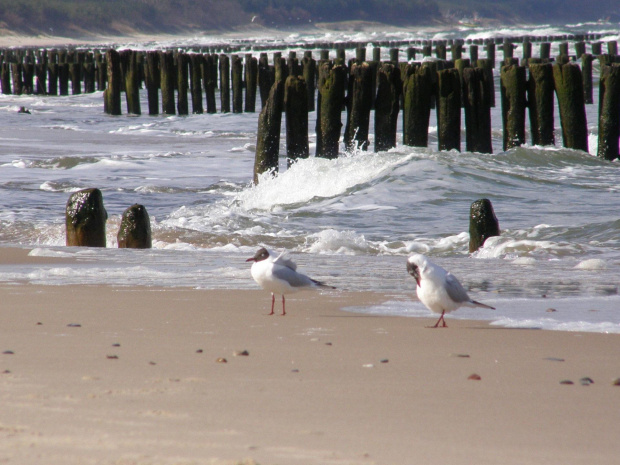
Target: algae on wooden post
x=251, y=81
x=540, y=103
x=609, y=113
x=151, y=79
x=569, y=90
x=268, y=134
x=418, y=91
x=296, y=108
x=449, y=110
x=482, y=223
x=224, y=84
x=514, y=103
x=135, y=229
x=358, y=107
x=237, y=83
x=182, y=83
x=387, y=105
x=196, y=61
x=586, y=72
x=166, y=68
x=332, y=84
x=477, y=112
x=112, y=93
x=85, y=218
x=309, y=73
x=266, y=78
x=129, y=67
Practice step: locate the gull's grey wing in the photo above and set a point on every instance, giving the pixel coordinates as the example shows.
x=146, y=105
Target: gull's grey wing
x=455, y=290
x=284, y=260
x=292, y=277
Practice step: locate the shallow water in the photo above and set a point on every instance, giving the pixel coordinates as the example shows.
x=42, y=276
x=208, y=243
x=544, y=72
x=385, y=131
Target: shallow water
x=350, y=221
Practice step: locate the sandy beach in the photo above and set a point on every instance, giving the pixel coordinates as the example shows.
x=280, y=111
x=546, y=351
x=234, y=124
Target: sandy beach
x=124, y=375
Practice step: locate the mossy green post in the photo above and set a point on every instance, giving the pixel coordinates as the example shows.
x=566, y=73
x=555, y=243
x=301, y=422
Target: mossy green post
x=224, y=83
x=514, y=102
x=477, y=106
x=612, y=47
x=268, y=134
x=182, y=83
x=489, y=81
x=545, y=50
x=597, y=48
x=387, y=105
x=457, y=51
x=586, y=72
x=309, y=73
x=85, y=219
x=540, y=103
x=135, y=229
x=296, y=109
x=151, y=79
x=196, y=63
x=460, y=65
x=569, y=90
x=418, y=90
x=129, y=67
x=209, y=79
x=166, y=68
x=332, y=84
x=482, y=223
x=265, y=78
x=609, y=113
x=449, y=110
x=358, y=107
x=580, y=49
x=251, y=81
x=473, y=54
x=112, y=93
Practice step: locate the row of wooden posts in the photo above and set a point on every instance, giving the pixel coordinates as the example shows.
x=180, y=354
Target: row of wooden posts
x=86, y=217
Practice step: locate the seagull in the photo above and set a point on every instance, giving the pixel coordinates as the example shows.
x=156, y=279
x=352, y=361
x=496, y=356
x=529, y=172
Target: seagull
x=438, y=289
x=279, y=276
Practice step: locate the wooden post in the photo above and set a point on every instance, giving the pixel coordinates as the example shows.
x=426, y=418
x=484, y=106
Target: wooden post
x=545, y=50
x=332, y=84
x=132, y=86
x=6, y=79
x=52, y=73
x=309, y=73
x=489, y=81
x=63, y=77
x=609, y=113
x=151, y=78
x=166, y=67
x=296, y=107
x=251, y=81
x=477, y=106
x=569, y=90
x=387, y=106
x=266, y=78
x=85, y=219
x=514, y=102
x=182, y=83
x=540, y=97
x=237, y=83
x=358, y=108
x=100, y=69
x=418, y=90
x=112, y=94
x=196, y=64
x=482, y=224
x=491, y=54
x=586, y=72
x=88, y=74
x=209, y=77
x=18, y=83
x=473, y=54
x=612, y=47
x=135, y=229
x=224, y=84
x=268, y=134
x=449, y=110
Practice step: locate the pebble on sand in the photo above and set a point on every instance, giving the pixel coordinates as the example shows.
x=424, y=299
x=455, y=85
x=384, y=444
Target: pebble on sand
x=8, y=352
x=112, y=357
x=566, y=381
x=241, y=353
x=475, y=377
x=221, y=360
x=585, y=381
x=616, y=382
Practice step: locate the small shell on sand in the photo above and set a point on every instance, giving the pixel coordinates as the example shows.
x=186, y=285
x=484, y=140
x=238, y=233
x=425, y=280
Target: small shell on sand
x=616, y=382
x=221, y=360
x=566, y=381
x=475, y=377
x=241, y=353
x=112, y=357
x=585, y=381
x=8, y=352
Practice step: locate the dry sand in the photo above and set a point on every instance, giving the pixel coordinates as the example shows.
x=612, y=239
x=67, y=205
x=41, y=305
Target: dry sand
x=109, y=375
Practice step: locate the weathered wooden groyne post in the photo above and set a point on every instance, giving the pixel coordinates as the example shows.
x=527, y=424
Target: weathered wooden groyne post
x=5, y=79
x=449, y=110
x=40, y=71
x=135, y=229
x=182, y=83
x=251, y=81
x=358, y=107
x=209, y=77
x=88, y=73
x=477, y=109
x=112, y=94
x=196, y=64
x=514, y=102
x=540, y=103
x=224, y=83
x=18, y=83
x=387, y=106
x=609, y=112
x=418, y=90
x=569, y=90
x=331, y=87
x=473, y=54
x=237, y=83
x=85, y=218
x=265, y=78
x=586, y=73
x=63, y=77
x=482, y=224
x=296, y=108
x=151, y=79
x=490, y=48
x=268, y=134
x=129, y=68
x=545, y=50
x=75, y=73
x=52, y=72
x=309, y=74
x=167, y=77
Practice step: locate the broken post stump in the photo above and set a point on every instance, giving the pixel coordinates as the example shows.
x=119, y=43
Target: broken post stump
x=135, y=229
x=85, y=218
x=482, y=224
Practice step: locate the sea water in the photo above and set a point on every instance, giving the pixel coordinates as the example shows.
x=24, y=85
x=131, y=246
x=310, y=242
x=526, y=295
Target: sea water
x=350, y=222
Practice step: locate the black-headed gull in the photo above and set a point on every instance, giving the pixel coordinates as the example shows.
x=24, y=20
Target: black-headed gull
x=438, y=289
x=279, y=276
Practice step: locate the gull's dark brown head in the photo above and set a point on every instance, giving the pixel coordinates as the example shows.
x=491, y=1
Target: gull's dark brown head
x=414, y=270
x=259, y=256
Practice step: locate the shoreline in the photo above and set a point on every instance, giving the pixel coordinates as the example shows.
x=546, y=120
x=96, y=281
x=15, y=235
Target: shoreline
x=104, y=374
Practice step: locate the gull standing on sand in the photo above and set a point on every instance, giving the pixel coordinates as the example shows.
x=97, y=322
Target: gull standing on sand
x=438, y=289
x=279, y=276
